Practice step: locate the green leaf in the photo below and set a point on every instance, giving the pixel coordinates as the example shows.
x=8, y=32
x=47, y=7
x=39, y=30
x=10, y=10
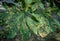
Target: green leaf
x=28, y=2
x=41, y=27
x=34, y=7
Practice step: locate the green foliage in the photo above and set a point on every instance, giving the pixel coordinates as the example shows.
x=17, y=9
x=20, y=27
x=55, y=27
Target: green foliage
x=29, y=19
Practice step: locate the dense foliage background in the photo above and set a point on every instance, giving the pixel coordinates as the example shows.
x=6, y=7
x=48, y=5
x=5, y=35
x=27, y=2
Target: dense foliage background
x=33, y=20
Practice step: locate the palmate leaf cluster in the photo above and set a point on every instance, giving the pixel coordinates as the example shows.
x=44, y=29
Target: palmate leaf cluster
x=30, y=17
